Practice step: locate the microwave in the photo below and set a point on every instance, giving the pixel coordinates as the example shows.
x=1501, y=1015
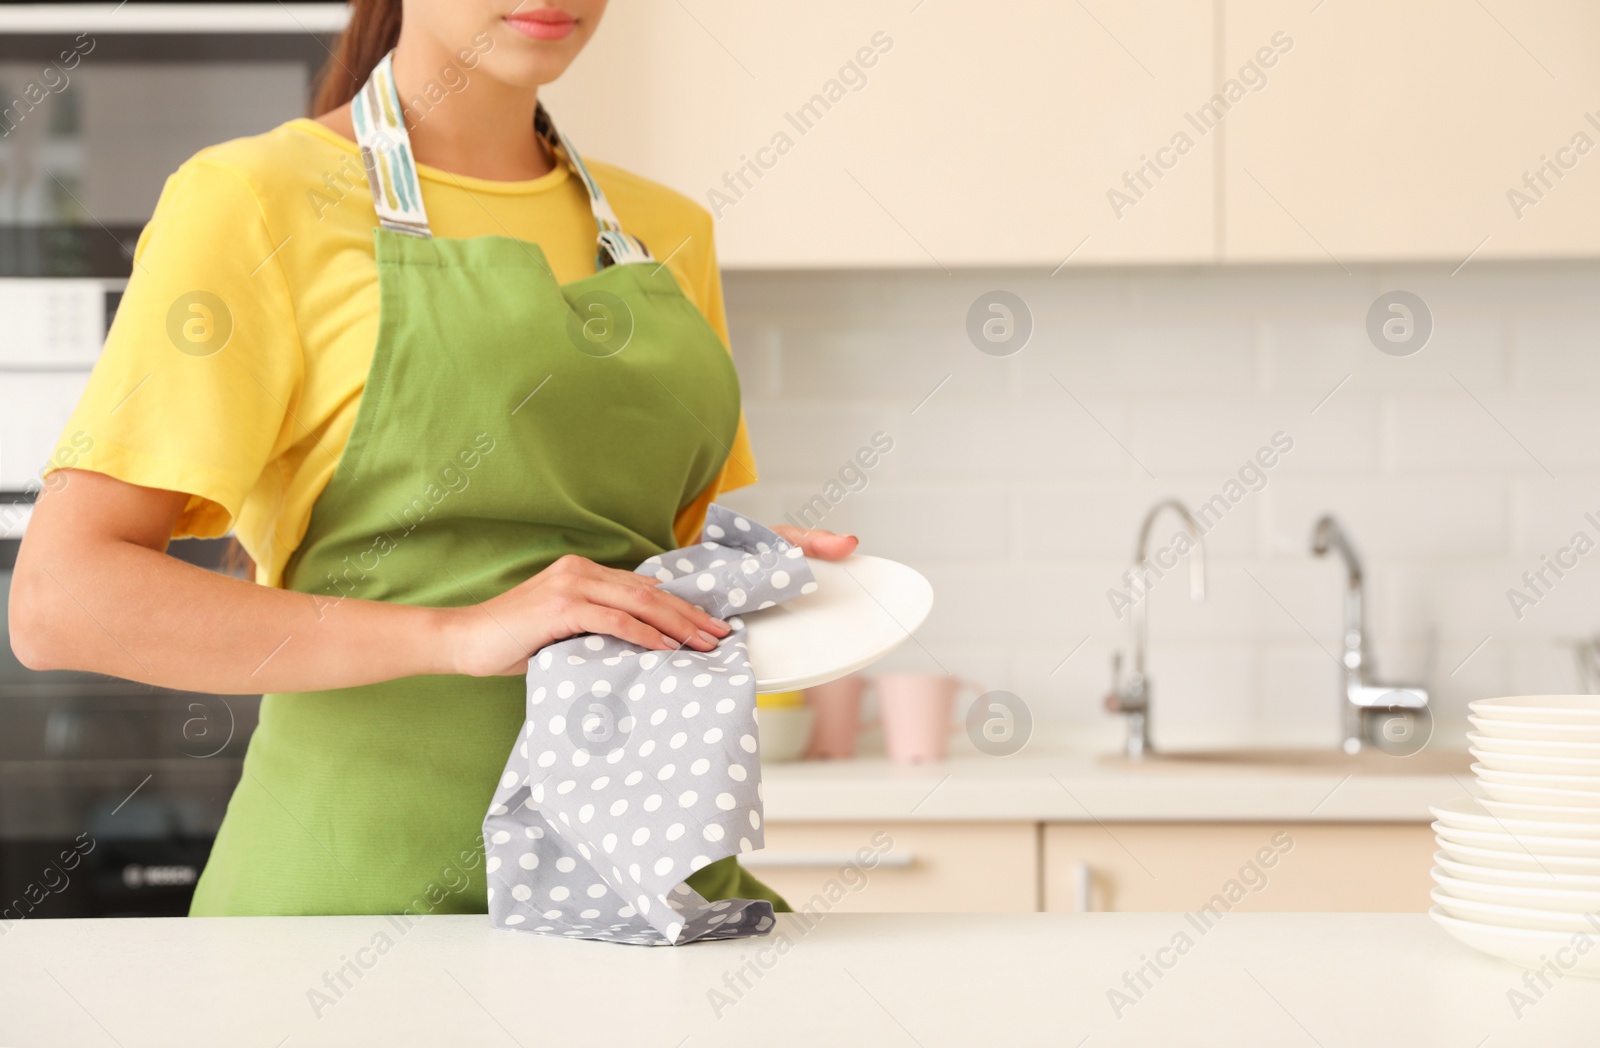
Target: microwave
x=99, y=103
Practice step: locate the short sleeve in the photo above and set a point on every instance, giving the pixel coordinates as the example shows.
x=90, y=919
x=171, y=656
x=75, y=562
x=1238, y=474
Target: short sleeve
x=202, y=366
x=740, y=469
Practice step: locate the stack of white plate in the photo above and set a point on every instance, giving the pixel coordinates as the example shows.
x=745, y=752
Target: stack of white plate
x=1517, y=873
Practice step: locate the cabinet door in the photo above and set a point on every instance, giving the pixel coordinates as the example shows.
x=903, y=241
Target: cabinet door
x=1397, y=131
x=1220, y=867
x=933, y=135
x=916, y=867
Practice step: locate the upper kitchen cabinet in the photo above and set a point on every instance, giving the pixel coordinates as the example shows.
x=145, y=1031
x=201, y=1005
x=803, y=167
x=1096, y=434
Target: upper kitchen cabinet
x=1430, y=129
x=925, y=134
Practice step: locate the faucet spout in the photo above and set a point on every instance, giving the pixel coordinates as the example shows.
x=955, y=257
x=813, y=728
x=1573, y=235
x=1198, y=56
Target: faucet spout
x=1364, y=698
x=1132, y=696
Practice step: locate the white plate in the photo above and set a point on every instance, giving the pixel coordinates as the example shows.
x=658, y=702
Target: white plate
x=1513, y=916
x=1469, y=814
x=1518, y=860
x=1533, y=747
x=1493, y=727
x=1509, y=840
x=1555, y=899
x=1569, y=783
x=1541, y=812
x=1540, y=765
x=1541, y=709
x=1530, y=949
x=1515, y=878
x=1584, y=800
x=862, y=609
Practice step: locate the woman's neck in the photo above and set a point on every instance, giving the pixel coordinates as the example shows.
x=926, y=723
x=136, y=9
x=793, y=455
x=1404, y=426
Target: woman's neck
x=481, y=127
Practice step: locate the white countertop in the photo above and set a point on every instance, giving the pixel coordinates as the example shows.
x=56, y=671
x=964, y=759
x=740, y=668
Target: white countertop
x=885, y=980
x=1044, y=786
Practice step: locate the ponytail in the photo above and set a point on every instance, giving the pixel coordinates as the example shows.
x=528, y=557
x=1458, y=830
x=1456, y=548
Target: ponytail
x=373, y=31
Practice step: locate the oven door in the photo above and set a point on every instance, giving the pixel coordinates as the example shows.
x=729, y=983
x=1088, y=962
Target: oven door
x=111, y=792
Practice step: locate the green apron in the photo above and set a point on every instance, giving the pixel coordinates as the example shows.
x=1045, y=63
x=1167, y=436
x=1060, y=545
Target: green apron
x=507, y=420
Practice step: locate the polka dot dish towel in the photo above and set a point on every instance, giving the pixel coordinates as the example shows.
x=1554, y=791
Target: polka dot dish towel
x=635, y=769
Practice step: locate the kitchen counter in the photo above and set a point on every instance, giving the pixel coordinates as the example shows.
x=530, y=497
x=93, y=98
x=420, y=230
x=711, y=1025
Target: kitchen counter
x=882, y=979
x=1047, y=786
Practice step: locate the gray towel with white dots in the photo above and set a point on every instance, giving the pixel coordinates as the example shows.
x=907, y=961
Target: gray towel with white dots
x=635, y=769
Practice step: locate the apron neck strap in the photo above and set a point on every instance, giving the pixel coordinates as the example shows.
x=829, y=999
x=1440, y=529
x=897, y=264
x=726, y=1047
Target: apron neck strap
x=396, y=191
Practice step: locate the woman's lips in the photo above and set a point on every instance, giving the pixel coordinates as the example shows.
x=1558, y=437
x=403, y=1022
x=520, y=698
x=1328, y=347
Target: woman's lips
x=545, y=23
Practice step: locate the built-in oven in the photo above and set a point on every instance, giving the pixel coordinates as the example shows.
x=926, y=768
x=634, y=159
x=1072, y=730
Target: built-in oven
x=111, y=792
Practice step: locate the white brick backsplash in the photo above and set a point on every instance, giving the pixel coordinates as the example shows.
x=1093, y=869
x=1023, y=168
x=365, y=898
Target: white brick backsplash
x=914, y=523
x=1202, y=685
x=1100, y=519
x=755, y=354
x=1214, y=436
x=1021, y=500
x=1556, y=354
x=1071, y=684
x=1546, y=514
x=1312, y=356
x=808, y=442
x=1463, y=600
x=1545, y=669
x=1454, y=434
x=1301, y=685
x=896, y=365
x=1002, y=603
x=1141, y=358
x=1421, y=518
x=948, y=440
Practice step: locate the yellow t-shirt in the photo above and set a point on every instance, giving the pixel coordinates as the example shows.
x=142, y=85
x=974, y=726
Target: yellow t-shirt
x=278, y=227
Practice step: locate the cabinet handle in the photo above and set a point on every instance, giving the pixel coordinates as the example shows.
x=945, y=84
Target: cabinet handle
x=820, y=859
x=1083, y=887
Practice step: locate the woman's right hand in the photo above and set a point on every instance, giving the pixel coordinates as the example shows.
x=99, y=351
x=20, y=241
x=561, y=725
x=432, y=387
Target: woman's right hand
x=572, y=596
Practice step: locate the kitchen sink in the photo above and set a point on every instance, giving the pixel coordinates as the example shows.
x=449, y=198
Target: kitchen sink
x=1311, y=761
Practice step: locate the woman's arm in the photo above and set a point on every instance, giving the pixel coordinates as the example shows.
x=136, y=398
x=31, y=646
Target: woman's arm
x=94, y=590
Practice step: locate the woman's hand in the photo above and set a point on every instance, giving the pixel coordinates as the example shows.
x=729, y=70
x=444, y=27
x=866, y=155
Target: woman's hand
x=824, y=545
x=574, y=595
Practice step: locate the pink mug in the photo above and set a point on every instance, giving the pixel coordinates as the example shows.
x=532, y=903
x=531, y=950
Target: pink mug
x=837, y=723
x=917, y=710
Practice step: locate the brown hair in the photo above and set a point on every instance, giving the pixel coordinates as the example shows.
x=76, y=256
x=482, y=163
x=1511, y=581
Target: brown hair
x=373, y=31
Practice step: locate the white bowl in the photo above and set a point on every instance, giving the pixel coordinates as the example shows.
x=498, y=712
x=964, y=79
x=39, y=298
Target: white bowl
x=1493, y=760
x=1469, y=814
x=1541, y=709
x=1540, y=812
x=785, y=731
x=1515, y=878
x=1554, y=899
x=1530, y=949
x=1511, y=841
x=1514, y=916
x=1533, y=747
x=1468, y=855
x=1574, y=799
x=1534, y=731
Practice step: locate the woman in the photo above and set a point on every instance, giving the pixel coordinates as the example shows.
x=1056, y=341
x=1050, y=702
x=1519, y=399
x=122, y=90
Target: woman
x=407, y=352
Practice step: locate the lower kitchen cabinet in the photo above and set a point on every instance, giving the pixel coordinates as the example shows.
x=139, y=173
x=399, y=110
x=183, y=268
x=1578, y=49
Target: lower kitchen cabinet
x=951, y=867
x=1245, y=866
x=901, y=866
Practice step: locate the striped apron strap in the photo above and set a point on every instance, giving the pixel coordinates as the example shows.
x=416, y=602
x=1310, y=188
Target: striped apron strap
x=396, y=190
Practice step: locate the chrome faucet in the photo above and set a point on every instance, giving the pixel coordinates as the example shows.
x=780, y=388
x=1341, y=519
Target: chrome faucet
x=1132, y=697
x=1365, y=700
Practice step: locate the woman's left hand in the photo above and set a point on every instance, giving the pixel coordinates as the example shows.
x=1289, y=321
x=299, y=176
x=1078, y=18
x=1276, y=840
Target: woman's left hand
x=824, y=545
